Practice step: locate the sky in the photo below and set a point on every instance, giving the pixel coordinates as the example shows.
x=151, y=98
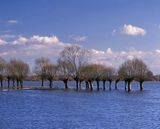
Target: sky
x=113, y=30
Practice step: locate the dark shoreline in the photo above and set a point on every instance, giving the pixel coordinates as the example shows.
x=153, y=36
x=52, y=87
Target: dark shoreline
x=34, y=88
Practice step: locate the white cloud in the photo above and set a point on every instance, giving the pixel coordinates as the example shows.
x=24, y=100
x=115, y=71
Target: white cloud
x=133, y=30
x=12, y=21
x=157, y=51
x=115, y=58
x=30, y=48
x=109, y=51
x=44, y=39
x=78, y=38
x=2, y=42
x=21, y=40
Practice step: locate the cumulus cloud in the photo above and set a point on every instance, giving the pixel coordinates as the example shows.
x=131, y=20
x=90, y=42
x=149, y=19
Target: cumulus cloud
x=12, y=21
x=133, y=30
x=157, y=51
x=44, y=39
x=30, y=48
x=20, y=41
x=115, y=58
x=2, y=42
x=36, y=39
x=109, y=51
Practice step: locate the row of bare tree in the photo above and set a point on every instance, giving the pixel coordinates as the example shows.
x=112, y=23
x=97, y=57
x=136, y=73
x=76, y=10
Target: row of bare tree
x=15, y=71
x=73, y=64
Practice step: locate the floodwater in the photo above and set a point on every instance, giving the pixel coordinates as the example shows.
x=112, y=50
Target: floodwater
x=60, y=109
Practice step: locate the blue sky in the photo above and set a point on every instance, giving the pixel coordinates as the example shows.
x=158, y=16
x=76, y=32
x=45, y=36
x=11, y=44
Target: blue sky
x=116, y=26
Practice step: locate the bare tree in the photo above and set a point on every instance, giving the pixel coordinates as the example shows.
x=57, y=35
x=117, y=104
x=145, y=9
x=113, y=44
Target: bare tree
x=76, y=57
x=104, y=77
x=142, y=72
x=117, y=79
x=126, y=72
x=2, y=70
x=21, y=70
x=50, y=73
x=40, y=68
x=65, y=70
x=98, y=73
x=10, y=74
x=134, y=69
x=108, y=75
x=82, y=77
x=122, y=73
x=88, y=75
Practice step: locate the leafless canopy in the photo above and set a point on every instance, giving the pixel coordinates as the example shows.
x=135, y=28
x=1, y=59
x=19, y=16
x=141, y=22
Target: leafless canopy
x=2, y=67
x=51, y=70
x=135, y=69
x=19, y=70
x=2, y=70
x=64, y=70
x=40, y=67
x=75, y=57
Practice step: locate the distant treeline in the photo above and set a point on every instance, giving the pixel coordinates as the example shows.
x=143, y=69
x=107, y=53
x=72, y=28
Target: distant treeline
x=73, y=64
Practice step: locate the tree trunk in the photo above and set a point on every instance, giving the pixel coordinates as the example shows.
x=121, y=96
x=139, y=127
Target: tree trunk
x=116, y=85
x=129, y=86
x=1, y=83
x=21, y=83
x=104, y=85
x=66, y=84
x=77, y=85
x=87, y=85
x=80, y=85
x=50, y=83
x=97, y=85
x=42, y=83
x=8, y=83
x=125, y=87
x=91, y=85
x=17, y=84
x=13, y=83
x=141, y=85
x=110, y=83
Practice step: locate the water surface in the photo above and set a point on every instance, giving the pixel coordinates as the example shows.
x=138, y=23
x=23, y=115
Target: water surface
x=81, y=110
